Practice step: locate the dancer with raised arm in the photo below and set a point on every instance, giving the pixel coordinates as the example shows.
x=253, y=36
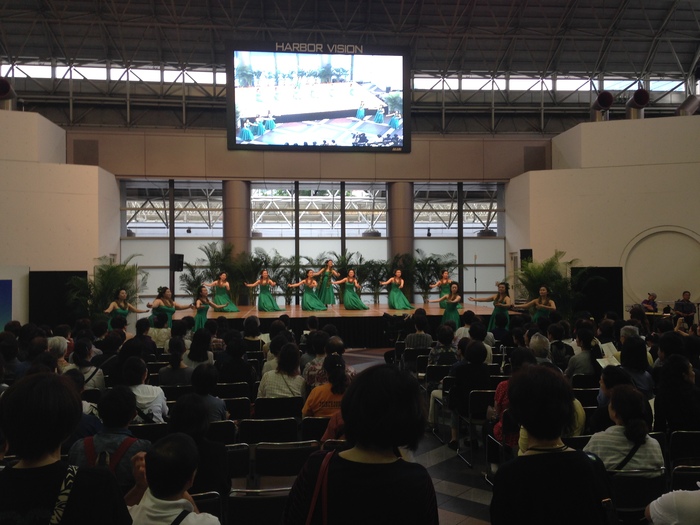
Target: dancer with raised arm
x=120, y=307
x=397, y=300
x=543, y=305
x=201, y=305
x=501, y=303
x=266, y=302
x=309, y=301
x=324, y=291
x=351, y=300
x=164, y=304
x=451, y=301
x=222, y=290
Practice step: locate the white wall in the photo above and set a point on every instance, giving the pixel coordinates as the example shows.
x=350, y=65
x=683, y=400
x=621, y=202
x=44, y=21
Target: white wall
x=637, y=215
x=32, y=138
x=55, y=216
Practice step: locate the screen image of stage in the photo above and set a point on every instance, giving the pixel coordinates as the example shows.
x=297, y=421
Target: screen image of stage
x=316, y=100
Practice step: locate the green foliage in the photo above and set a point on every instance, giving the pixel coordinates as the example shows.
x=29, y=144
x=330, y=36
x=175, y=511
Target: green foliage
x=427, y=269
x=288, y=274
x=89, y=297
x=394, y=101
x=247, y=268
x=343, y=262
x=192, y=278
x=370, y=273
x=553, y=273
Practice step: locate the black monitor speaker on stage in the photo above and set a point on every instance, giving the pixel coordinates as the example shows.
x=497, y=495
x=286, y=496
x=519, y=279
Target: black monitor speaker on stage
x=598, y=289
x=48, y=298
x=177, y=262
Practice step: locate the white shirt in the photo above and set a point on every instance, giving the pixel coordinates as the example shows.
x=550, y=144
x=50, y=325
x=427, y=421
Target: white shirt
x=153, y=511
x=680, y=507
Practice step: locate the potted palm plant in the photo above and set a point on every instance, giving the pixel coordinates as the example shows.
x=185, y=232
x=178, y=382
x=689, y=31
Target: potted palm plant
x=91, y=296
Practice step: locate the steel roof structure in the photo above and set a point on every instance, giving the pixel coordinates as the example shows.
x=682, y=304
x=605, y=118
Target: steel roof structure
x=640, y=41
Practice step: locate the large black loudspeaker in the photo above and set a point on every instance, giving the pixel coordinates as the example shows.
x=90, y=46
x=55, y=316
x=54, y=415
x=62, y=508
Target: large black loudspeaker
x=177, y=261
x=598, y=290
x=48, y=298
x=525, y=256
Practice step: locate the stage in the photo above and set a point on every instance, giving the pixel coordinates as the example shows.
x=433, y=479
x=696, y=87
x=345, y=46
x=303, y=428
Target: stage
x=373, y=328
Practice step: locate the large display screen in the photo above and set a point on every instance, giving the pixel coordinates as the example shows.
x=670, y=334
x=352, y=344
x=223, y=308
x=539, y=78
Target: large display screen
x=321, y=97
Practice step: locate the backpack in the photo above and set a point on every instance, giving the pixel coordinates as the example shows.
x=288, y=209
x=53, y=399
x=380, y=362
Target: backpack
x=105, y=459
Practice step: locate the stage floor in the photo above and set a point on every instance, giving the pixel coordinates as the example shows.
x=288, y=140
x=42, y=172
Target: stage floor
x=334, y=311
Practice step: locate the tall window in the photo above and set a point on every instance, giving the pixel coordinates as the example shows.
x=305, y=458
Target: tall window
x=198, y=209
x=436, y=209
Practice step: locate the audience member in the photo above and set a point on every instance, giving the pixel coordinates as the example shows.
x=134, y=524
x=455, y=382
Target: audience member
x=626, y=445
x=324, y=400
x=171, y=465
x=370, y=478
x=151, y=406
x=541, y=401
x=176, y=372
x=677, y=403
x=189, y=415
x=204, y=379
x=37, y=414
x=200, y=349
x=286, y=380
x=114, y=446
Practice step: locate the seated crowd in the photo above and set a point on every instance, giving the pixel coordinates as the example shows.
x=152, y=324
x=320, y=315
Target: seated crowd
x=120, y=377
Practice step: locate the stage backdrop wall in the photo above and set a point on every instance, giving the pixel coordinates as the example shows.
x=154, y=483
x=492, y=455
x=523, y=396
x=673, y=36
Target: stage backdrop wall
x=639, y=217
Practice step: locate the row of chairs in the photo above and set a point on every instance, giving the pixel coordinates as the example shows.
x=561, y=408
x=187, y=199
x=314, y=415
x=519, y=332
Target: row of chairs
x=251, y=431
x=173, y=392
x=262, y=476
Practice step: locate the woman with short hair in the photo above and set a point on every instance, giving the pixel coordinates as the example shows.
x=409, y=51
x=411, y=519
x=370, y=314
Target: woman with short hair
x=383, y=409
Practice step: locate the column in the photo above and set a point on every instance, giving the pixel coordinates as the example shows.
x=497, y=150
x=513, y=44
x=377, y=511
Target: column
x=236, y=201
x=400, y=217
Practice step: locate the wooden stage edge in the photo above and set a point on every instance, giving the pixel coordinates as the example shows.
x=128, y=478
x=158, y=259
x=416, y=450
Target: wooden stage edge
x=334, y=311
x=370, y=328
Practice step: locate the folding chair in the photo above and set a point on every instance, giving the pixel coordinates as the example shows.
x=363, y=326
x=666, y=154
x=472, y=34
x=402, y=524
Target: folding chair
x=585, y=381
x=399, y=348
x=238, y=407
x=275, y=430
x=173, y=393
x=222, y=431
x=91, y=395
x=576, y=442
x=150, y=431
x=433, y=375
x=238, y=464
x=479, y=401
x=253, y=507
x=314, y=427
x=684, y=448
x=496, y=380
x=410, y=356
x=335, y=444
x=223, y=390
x=685, y=477
x=269, y=407
x=276, y=465
x=633, y=490
x=587, y=396
x=209, y=502
x=447, y=384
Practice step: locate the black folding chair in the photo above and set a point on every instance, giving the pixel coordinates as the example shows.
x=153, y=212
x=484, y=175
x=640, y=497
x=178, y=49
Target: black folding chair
x=274, y=407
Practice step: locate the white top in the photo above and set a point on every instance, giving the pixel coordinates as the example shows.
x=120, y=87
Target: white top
x=276, y=384
x=150, y=400
x=680, y=507
x=194, y=364
x=611, y=446
x=153, y=511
